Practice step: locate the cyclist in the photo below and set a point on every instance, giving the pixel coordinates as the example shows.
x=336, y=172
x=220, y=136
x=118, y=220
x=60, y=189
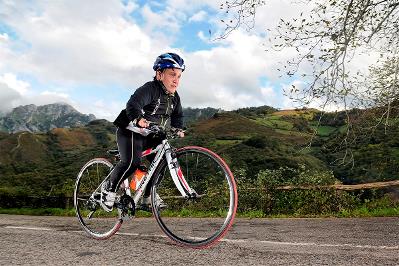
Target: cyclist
x=155, y=101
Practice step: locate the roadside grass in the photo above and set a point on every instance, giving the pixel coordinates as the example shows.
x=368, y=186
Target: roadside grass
x=366, y=212
x=360, y=212
x=38, y=211
x=54, y=212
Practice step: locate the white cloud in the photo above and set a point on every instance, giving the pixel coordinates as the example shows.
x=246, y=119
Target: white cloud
x=47, y=97
x=317, y=103
x=55, y=94
x=117, y=38
x=269, y=15
x=270, y=97
x=206, y=38
x=165, y=23
x=15, y=92
x=4, y=37
x=74, y=43
x=229, y=76
x=11, y=81
x=9, y=97
x=65, y=46
x=290, y=103
x=192, y=6
x=199, y=16
x=201, y=35
x=130, y=7
x=101, y=109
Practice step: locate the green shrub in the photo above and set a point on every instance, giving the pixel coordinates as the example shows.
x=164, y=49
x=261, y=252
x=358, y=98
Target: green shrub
x=265, y=194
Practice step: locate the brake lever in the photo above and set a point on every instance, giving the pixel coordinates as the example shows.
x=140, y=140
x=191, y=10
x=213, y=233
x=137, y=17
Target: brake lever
x=156, y=128
x=174, y=132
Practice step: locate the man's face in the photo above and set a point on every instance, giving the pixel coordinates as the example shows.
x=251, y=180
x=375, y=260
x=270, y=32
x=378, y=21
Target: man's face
x=170, y=78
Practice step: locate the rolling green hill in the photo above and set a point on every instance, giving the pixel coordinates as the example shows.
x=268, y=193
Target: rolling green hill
x=250, y=139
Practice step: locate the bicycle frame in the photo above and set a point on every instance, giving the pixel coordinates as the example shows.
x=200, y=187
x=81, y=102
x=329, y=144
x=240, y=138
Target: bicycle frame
x=186, y=198
x=163, y=150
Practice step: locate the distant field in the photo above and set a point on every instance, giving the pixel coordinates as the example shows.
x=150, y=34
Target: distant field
x=275, y=122
x=325, y=131
x=307, y=114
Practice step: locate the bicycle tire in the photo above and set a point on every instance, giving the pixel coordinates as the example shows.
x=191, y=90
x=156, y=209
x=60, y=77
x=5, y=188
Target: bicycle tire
x=94, y=220
x=200, y=222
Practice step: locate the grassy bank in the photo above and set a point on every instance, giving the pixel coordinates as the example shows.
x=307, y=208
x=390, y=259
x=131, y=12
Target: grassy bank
x=52, y=212
x=355, y=213
x=361, y=212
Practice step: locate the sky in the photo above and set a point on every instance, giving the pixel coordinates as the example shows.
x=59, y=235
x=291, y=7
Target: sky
x=94, y=54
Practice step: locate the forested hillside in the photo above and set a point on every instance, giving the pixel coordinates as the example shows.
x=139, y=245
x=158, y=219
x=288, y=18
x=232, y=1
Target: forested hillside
x=251, y=140
x=264, y=138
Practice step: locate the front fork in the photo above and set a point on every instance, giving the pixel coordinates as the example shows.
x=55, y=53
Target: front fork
x=178, y=176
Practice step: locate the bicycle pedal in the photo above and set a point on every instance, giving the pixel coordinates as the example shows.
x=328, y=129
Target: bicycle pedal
x=144, y=207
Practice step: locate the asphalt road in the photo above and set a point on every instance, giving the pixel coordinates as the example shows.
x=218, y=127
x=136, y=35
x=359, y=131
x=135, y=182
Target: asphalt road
x=34, y=240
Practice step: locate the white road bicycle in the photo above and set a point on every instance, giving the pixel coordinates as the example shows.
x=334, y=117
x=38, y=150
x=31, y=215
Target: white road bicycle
x=196, y=188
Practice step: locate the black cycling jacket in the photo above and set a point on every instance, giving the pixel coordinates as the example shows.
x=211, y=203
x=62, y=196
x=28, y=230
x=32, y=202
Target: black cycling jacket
x=152, y=102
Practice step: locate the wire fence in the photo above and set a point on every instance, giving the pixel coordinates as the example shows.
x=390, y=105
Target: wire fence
x=374, y=185
x=64, y=202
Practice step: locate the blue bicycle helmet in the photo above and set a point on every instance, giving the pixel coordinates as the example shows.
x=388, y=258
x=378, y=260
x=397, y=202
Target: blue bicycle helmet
x=168, y=60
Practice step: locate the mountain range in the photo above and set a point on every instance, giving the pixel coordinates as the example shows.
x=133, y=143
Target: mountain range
x=34, y=118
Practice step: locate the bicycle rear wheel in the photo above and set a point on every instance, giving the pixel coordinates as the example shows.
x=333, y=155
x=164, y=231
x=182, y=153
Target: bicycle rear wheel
x=199, y=222
x=95, y=221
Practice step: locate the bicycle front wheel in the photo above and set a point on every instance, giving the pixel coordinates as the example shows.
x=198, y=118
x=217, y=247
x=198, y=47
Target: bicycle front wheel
x=95, y=221
x=203, y=220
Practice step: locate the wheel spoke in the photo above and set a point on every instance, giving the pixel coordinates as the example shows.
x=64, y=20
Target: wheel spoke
x=202, y=220
x=94, y=220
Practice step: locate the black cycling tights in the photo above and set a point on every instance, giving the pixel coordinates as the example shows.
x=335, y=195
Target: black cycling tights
x=130, y=146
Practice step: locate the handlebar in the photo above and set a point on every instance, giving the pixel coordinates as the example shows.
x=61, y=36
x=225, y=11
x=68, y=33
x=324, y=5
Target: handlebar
x=154, y=128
